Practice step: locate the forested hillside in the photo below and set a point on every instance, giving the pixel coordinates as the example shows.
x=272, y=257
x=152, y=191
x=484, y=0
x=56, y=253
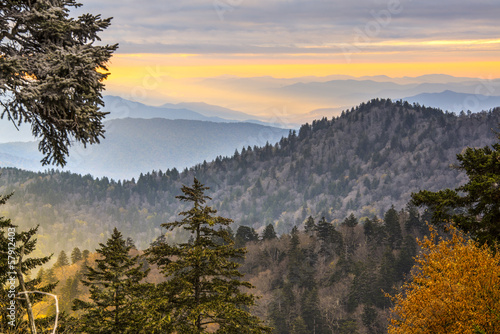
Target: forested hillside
x=323, y=279
x=362, y=162
x=135, y=145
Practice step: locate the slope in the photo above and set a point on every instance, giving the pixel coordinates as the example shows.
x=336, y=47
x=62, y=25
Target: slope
x=135, y=146
x=364, y=161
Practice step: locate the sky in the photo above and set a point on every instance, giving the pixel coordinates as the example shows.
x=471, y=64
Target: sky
x=167, y=48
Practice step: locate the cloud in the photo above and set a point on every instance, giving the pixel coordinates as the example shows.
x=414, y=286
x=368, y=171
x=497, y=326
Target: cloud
x=290, y=26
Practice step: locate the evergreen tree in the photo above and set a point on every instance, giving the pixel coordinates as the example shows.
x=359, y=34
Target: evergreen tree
x=392, y=227
x=414, y=221
x=85, y=254
x=310, y=225
x=269, y=233
x=245, y=234
x=475, y=206
x=203, y=286
x=62, y=260
x=350, y=221
x=50, y=276
x=76, y=255
x=14, y=267
x=295, y=258
x=52, y=73
x=68, y=293
x=299, y=326
x=311, y=312
x=115, y=291
x=330, y=238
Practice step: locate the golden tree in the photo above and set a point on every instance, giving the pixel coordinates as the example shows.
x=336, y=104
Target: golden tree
x=455, y=288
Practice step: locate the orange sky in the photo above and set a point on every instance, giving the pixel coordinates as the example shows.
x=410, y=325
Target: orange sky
x=137, y=67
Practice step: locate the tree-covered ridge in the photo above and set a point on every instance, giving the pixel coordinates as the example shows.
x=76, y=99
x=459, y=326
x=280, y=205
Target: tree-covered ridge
x=363, y=161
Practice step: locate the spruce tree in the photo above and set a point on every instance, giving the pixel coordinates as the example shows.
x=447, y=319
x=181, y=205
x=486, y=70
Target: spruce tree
x=393, y=229
x=310, y=225
x=245, y=234
x=51, y=73
x=15, y=267
x=76, y=255
x=62, y=260
x=85, y=254
x=203, y=286
x=115, y=291
x=475, y=206
x=269, y=233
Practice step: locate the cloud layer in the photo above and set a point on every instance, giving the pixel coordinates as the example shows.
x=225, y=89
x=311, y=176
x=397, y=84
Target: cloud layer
x=306, y=27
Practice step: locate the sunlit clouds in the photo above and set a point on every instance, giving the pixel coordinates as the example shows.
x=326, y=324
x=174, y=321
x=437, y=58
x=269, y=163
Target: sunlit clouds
x=167, y=49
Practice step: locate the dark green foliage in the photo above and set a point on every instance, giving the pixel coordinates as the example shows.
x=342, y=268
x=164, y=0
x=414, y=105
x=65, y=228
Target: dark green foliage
x=269, y=233
x=311, y=312
x=330, y=239
x=62, y=260
x=115, y=291
x=51, y=73
x=295, y=259
x=393, y=229
x=245, y=234
x=414, y=221
x=312, y=173
x=76, y=255
x=85, y=254
x=49, y=276
x=204, y=284
x=299, y=326
x=53, y=54
x=371, y=321
x=282, y=309
x=346, y=326
x=475, y=206
x=350, y=221
x=310, y=225
x=6, y=226
x=406, y=257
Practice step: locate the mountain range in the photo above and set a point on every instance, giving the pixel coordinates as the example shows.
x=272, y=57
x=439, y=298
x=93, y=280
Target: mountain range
x=303, y=99
x=136, y=145
x=364, y=161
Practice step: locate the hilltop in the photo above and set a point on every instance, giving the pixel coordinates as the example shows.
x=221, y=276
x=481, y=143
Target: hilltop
x=362, y=162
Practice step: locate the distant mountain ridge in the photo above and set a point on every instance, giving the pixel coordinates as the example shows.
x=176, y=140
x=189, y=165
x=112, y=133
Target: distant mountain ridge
x=456, y=102
x=209, y=110
x=121, y=108
x=135, y=146
x=362, y=162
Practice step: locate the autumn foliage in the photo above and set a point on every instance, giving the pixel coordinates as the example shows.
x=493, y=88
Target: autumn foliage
x=455, y=289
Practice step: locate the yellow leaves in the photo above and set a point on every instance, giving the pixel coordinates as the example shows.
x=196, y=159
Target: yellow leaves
x=456, y=289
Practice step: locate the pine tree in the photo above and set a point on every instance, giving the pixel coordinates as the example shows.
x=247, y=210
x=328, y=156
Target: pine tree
x=203, y=286
x=52, y=73
x=85, y=254
x=330, y=238
x=62, y=260
x=295, y=258
x=393, y=229
x=245, y=234
x=310, y=225
x=15, y=266
x=350, y=221
x=269, y=233
x=115, y=291
x=475, y=206
x=76, y=255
